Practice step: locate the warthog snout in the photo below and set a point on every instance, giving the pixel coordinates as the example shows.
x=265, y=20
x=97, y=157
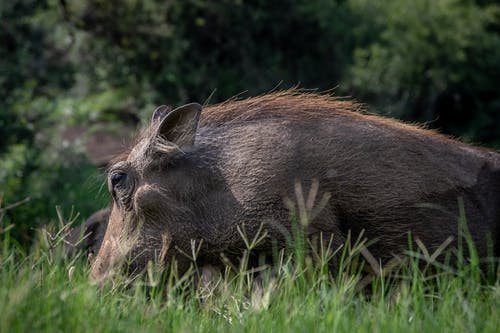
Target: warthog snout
x=102, y=265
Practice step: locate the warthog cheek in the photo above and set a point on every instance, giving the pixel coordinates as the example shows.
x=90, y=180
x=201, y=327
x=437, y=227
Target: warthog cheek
x=146, y=198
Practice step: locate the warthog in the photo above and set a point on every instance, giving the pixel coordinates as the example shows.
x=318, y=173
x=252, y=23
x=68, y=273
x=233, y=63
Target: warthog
x=198, y=174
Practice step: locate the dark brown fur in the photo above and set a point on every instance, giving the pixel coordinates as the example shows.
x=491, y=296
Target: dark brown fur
x=88, y=237
x=383, y=177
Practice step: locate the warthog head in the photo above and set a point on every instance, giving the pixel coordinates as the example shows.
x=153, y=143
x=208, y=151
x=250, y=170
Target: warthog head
x=159, y=189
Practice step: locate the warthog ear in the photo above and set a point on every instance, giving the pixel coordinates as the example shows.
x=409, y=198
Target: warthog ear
x=179, y=126
x=161, y=112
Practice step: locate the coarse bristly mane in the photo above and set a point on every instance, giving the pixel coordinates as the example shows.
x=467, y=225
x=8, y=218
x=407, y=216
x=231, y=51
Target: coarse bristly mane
x=299, y=105
x=292, y=104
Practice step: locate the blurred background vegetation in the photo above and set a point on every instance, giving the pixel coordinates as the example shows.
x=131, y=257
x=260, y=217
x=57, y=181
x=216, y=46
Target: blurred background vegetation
x=73, y=73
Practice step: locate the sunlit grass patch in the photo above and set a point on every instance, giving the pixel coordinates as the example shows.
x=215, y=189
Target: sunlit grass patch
x=44, y=290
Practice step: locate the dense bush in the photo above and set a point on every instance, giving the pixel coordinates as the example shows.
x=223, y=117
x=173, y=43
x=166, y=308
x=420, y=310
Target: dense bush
x=83, y=62
x=432, y=61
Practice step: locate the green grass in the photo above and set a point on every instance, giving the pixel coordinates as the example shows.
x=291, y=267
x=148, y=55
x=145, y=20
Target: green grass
x=42, y=291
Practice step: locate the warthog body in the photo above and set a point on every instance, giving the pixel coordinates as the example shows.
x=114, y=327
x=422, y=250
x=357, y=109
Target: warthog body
x=196, y=175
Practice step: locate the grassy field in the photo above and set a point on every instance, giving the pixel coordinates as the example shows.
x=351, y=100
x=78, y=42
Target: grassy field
x=43, y=291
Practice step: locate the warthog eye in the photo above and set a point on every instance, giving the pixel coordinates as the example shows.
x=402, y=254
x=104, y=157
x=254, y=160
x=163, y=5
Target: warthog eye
x=117, y=178
x=119, y=186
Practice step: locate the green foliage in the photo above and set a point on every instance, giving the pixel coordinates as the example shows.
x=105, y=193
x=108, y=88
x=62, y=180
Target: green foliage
x=432, y=60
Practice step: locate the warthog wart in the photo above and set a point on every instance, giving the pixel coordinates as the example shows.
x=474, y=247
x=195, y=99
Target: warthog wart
x=198, y=174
